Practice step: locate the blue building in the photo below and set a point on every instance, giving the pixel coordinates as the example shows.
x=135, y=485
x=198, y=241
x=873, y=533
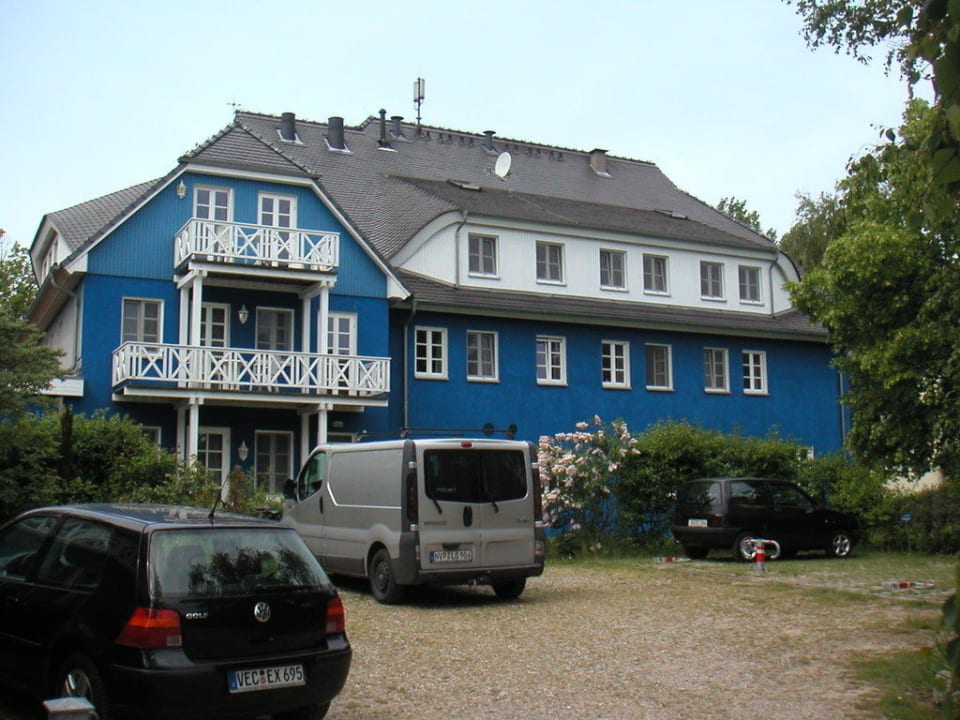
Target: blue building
x=290, y=282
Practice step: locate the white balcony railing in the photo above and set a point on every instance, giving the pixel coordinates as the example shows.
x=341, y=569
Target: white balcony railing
x=228, y=242
x=266, y=371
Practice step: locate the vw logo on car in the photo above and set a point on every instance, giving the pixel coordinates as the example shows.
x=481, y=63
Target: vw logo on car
x=261, y=611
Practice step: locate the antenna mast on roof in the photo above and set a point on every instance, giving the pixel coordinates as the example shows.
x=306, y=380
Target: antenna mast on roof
x=419, y=91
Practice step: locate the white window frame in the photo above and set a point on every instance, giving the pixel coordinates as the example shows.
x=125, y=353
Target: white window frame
x=711, y=357
x=668, y=358
x=612, y=271
x=548, y=265
x=432, y=351
x=265, y=312
x=479, y=376
x=663, y=260
x=332, y=348
x=711, y=280
x=615, y=364
x=746, y=286
x=223, y=432
x=213, y=190
x=754, y=364
x=207, y=324
x=551, y=360
x=280, y=475
x=154, y=433
x=477, y=243
x=275, y=213
x=141, y=304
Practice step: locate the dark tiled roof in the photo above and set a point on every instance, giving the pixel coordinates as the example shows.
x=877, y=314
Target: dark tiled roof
x=431, y=294
x=82, y=222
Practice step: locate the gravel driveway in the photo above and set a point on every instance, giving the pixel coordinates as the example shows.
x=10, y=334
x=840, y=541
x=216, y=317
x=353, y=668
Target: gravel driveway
x=630, y=640
x=697, y=640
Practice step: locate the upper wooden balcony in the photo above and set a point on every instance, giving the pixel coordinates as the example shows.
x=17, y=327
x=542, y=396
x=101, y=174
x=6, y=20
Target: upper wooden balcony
x=229, y=243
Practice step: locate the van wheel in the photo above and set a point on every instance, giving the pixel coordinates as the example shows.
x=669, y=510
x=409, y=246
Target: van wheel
x=383, y=585
x=79, y=677
x=509, y=590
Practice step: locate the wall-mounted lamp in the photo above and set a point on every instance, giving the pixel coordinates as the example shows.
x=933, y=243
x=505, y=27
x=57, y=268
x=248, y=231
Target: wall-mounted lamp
x=181, y=190
x=243, y=314
x=243, y=451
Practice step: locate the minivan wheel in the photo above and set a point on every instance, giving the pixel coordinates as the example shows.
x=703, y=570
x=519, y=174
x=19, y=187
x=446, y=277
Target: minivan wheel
x=79, y=677
x=383, y=584
x=841, y=545
x=510, y=589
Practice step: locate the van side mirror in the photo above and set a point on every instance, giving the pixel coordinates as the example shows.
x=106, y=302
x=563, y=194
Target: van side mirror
x=289, y=489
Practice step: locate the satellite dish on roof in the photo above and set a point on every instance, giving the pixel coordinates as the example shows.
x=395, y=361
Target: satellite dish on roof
x=502, y=166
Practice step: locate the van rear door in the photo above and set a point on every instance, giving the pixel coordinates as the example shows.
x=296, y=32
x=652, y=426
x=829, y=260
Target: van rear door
x=477, y=509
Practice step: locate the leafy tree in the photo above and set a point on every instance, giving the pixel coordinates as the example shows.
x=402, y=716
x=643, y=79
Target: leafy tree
x=886, y=291
x=819, y=220
x=737, y=209
x=26, y=365
x=923, y=37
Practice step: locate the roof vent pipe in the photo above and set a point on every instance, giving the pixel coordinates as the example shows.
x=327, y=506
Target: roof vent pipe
x=383, y=129
x=288, y=127
x=598, y=162
x=488, y=141
x=396, y=130
x=335, y=133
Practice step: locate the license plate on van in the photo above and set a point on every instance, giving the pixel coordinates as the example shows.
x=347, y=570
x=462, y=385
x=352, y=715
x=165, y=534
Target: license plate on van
x=697, y=522
x=240, y=681
x=451, y=556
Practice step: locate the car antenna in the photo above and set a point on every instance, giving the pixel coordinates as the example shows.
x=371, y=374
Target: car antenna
x=214, y=508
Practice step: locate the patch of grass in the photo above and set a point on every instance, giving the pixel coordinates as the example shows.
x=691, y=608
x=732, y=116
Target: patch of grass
x=905, y=684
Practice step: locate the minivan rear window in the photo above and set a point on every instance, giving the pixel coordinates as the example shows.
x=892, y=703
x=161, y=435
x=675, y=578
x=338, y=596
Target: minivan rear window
x=471, y=475
x=700, y=497
x=223, y=562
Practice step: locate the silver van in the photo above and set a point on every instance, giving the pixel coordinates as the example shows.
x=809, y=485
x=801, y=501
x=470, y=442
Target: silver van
x=411, y=512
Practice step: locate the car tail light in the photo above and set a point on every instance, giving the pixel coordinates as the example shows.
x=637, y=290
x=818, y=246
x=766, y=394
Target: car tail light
x=413, y=505
x=149, y=628
x=336, y=619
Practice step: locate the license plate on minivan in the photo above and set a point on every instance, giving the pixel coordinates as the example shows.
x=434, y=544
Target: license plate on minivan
x=451, y=556
x=697, y=522
x=254, y=679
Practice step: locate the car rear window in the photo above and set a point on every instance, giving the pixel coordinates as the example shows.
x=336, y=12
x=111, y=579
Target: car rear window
x=700, y=497
x=223, y=562
x=475, y=475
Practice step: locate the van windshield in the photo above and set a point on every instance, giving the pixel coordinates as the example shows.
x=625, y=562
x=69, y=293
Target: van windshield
x=218, y=562
x=469, y=475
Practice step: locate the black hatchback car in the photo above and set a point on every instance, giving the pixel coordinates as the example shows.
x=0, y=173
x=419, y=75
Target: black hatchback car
x=731, y=513
x=168, y=612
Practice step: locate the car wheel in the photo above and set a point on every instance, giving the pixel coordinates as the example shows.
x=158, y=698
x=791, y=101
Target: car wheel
x=313, y=712
x=509, y=590
x=79, y=677
x=383, y=584
x=696, y=552
x=841, y=544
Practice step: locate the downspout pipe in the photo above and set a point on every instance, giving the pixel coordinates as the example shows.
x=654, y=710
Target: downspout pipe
x=406, y=363
x=456, y=235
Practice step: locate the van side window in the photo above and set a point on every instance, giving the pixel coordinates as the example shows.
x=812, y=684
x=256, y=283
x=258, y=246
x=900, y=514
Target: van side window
x=744, y=492
x=702, y=497
x=312, y=475
x=475, y=475
x=789, y=495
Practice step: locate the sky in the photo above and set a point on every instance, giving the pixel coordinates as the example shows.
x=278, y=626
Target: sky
x=723, y=95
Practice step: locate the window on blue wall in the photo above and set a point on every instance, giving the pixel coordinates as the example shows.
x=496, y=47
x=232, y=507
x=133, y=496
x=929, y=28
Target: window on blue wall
x=212, y=204
x=141, y=320
x=274, y=460
x=655, y=274
x=430, y=353
x=612, y=269
x=482, y=255
x=659, y=375
x=715, y=370
x=615, y=364
x=213, y=449
x=274, y=329
x=482, y=356
x=551, y=361
x=754, y=372
x=549, y=262
x=749, y=284
x=711, y=280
